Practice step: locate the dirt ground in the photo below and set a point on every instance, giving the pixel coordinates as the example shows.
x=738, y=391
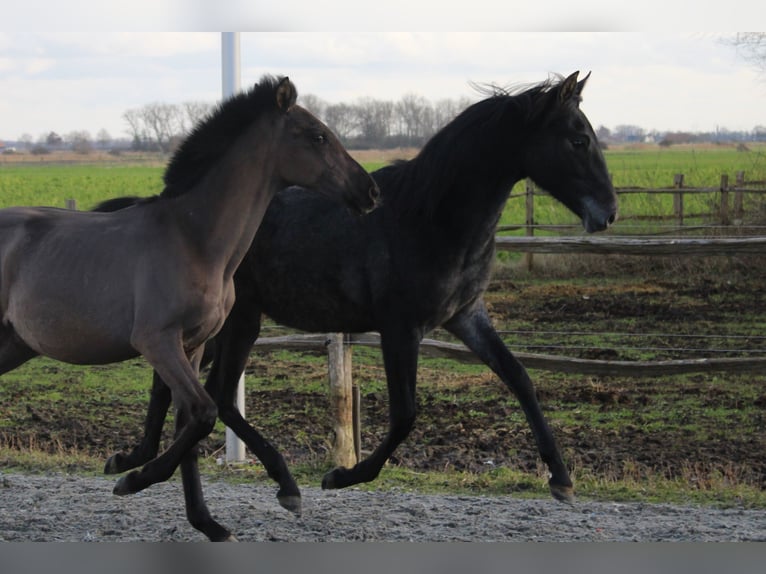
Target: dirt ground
x=64, y=508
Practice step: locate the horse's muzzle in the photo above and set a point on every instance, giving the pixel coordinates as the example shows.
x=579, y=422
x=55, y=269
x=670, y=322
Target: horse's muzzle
x=597, y=217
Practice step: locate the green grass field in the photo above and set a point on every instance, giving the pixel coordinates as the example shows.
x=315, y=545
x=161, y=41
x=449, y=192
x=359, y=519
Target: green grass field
x=52, y=185
x=648, y=166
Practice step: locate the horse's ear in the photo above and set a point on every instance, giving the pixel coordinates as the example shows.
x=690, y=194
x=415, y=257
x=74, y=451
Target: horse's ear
x=286, y=94
x=569, y=88
x=581, y=84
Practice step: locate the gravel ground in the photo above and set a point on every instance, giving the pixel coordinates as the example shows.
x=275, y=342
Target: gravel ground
x=60, y=507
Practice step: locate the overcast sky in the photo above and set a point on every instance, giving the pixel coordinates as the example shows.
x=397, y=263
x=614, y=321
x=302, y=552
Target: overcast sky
x=66, y=81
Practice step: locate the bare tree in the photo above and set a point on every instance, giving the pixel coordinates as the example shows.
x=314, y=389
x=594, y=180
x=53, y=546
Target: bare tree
x=53, y=139
x=194, y=113
x=447, y=110
x=26, y=140
x=314, y=104
x=415, y=116
x=80, y=142
x=103, y=138
x=136, y=127
x=373, y=119
x=752, y=47
x=163, y=122
x=340, y=119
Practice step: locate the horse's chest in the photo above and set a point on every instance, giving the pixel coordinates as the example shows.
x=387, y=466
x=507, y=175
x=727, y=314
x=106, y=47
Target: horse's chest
x=205, y=316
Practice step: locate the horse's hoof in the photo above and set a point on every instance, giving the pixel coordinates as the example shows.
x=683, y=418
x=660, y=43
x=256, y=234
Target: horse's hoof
x=123, y=486
x=292, y=503
x=562, y=493
x=328, y=481
x=112, y=465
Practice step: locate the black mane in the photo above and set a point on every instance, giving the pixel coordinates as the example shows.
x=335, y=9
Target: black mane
x=210, y=139
x=474, y=137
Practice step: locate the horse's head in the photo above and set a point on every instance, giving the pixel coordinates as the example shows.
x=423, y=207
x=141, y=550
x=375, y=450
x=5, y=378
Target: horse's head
x=311, y=156
x=564, y=158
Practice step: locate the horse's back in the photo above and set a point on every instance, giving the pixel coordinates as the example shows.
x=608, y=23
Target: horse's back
x=312, y=264
x=316, y=267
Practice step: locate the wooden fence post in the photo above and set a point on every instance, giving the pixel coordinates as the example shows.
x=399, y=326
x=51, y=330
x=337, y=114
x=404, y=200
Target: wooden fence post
x=678, y=198
x=70, y=204
x=530, y=229
x=341, y=401
x=725, y=199
x=739, y=211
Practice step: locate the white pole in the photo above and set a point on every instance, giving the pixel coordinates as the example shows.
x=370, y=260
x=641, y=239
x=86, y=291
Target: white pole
x=235, y=448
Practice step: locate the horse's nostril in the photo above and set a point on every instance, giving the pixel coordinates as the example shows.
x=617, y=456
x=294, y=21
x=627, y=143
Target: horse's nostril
x=611, y=220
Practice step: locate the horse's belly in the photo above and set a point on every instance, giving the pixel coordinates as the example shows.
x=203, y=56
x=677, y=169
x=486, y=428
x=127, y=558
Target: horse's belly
x=71, y=334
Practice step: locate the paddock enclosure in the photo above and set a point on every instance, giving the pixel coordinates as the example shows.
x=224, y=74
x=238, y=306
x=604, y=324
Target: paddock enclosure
x=702, y=427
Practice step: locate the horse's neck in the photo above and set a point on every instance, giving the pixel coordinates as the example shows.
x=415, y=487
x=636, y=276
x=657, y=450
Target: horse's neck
x=224, y=211
x=471, y=211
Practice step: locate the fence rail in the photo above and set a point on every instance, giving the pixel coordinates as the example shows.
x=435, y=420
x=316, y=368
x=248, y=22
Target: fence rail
x=728, y=212
x=458, y=352
x=635, y=245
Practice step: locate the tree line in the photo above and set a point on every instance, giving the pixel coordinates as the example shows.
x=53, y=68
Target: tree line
x=367, y=123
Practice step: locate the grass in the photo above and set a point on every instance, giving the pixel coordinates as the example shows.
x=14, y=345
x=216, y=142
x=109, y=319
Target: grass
x=52, y=184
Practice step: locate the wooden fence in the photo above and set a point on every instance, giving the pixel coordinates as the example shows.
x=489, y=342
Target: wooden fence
x=727, y=213
x=344, y=395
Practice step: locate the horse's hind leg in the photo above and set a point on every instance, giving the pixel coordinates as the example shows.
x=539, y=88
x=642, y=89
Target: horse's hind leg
x=400, y=357
x=474, y=328
x=146, y=450
x=233, y=346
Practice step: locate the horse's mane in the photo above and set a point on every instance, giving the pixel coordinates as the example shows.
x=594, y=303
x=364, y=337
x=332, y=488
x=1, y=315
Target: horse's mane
x=419, y=185
x=210, y=139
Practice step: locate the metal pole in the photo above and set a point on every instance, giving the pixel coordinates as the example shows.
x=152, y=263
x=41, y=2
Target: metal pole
x=230, y=67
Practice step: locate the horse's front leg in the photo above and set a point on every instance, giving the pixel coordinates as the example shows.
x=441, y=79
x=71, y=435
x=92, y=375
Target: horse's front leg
x=195, y=417
x=196, y=510
x=400, y=357
x=475, y=329
x=147, y=448
x=159, y=402
x=193, y=405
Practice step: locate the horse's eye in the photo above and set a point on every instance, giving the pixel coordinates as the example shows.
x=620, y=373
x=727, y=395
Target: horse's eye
x=320, y=139
x=580, y=142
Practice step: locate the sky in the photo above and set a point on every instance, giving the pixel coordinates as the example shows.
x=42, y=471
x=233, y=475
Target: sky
x=86, y=79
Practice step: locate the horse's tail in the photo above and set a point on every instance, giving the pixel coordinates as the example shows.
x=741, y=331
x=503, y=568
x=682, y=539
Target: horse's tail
x=119, y=203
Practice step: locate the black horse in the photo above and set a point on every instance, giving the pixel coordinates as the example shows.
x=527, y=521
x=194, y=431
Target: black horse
x=420, y=261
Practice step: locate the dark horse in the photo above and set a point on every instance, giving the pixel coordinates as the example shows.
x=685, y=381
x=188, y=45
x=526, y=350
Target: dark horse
x=420, y=261
x=156, y=279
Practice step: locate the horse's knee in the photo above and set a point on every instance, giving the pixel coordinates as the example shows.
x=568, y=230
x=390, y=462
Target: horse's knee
x=201, y=417
x=228, y=414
